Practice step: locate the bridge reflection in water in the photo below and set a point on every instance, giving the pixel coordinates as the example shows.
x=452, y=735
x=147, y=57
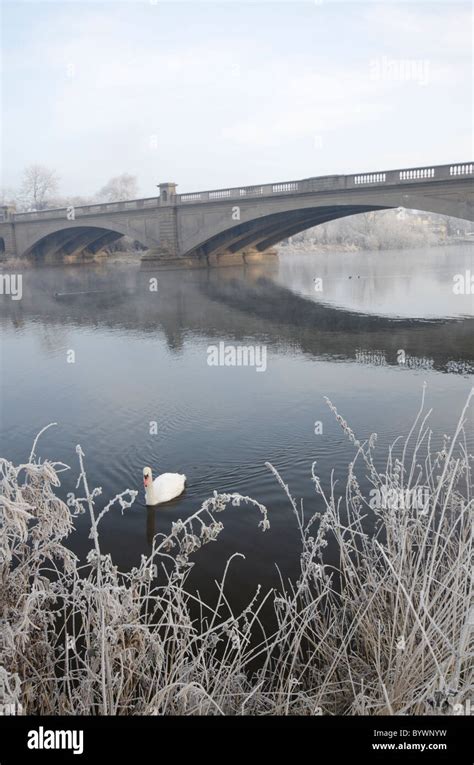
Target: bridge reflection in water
x=141, y=357
x=252, y=304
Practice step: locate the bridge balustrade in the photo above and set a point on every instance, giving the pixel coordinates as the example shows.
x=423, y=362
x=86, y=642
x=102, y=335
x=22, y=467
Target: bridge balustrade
x=308, y=185
x=461, y=169
x=290, y=186
x=414, y=175
x=95, y=209
x=370, y=178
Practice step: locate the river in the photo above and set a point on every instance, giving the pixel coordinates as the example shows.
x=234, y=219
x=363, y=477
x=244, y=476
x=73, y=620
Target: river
x=140, y=365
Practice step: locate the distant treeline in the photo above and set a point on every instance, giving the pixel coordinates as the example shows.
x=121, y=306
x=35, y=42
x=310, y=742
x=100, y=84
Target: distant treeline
x=385, y=229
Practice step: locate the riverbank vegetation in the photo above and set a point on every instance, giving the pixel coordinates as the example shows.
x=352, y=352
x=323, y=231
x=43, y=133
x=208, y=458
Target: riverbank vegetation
x=39, y=190
x=383, y=230
x=388, y=630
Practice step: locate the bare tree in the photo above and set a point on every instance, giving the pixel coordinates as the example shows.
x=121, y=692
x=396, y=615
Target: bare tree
x=119, y=188
x=74, y=200
x=7, y=197
x=38, y=186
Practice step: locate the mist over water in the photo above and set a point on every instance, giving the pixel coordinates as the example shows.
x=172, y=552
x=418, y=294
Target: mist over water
x=398, y=283
x=142, y=357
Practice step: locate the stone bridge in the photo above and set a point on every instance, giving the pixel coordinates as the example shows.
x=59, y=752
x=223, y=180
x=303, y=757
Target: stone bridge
x=235, y=224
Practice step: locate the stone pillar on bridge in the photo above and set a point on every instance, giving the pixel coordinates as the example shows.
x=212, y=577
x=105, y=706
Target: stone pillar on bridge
x=5, y=212
x=167, y=193
x=7, y=232
x=167, y=224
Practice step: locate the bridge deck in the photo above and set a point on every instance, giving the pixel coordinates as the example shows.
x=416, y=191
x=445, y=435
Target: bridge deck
x=385, y=178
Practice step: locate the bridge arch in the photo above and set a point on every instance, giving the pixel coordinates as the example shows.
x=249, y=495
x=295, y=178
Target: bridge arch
x=72, y=241
x=266, y=231
x=266, y=215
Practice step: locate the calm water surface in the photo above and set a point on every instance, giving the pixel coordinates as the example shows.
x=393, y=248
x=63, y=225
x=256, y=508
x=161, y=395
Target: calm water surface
x=142, y=356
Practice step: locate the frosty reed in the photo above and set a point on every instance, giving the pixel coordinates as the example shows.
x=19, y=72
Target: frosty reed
x=386, y=630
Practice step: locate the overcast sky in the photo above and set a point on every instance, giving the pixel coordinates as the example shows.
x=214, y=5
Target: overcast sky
x=229, y=93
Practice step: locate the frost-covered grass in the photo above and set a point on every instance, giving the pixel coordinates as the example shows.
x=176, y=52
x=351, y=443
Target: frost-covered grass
x=387, y=631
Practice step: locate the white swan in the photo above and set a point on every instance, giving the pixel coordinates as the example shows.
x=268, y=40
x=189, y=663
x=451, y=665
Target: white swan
x=167, y=486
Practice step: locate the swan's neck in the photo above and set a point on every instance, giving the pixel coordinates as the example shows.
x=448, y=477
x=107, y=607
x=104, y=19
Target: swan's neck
x=150, y=492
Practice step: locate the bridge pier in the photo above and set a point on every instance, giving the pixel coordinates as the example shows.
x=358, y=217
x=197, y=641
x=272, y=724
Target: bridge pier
x=7, y=233
x=8, y=244
x=226, y=258
x=168, y=221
